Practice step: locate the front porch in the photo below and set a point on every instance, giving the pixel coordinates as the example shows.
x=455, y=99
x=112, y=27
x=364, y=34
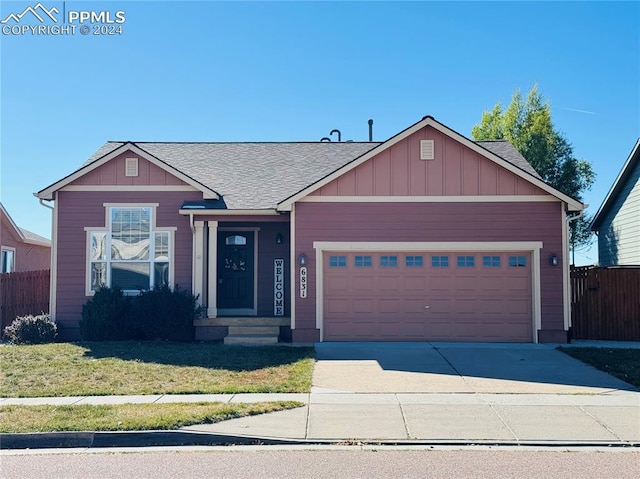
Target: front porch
x=241, y=275
x=252, y=330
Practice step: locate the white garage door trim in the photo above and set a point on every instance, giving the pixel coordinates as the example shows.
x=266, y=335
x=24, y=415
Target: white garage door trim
x=533, y=246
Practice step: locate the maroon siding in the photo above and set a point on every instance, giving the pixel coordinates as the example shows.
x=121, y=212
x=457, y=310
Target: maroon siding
x=28, y=257
x=433, y=222
x=113, y=173
x=455, y=170
x=78, y=210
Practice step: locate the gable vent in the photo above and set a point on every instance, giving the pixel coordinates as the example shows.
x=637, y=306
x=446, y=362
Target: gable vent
x=131, y=167
x=426, y=150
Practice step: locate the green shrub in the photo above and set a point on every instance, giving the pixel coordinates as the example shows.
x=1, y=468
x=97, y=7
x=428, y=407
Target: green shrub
x=164, y=313
x=31, y=330
x=105, y=317
x=161, y=313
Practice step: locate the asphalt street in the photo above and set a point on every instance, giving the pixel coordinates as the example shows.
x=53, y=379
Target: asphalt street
x=345, y=462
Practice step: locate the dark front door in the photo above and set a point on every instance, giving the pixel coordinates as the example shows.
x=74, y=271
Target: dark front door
x=235, y=269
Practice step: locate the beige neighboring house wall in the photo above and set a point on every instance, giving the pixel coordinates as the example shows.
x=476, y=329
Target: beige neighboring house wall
x=21, y=250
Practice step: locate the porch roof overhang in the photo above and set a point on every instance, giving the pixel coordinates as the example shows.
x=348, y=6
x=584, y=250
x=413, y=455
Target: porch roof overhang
x=219, y=207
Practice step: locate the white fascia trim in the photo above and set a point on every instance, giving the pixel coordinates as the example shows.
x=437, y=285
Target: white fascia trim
x=429, y=121
x=614, y=186
x=214, y=212
x=532, y=246
x=54, y=260
x=47, y=193
x=13, y=224
x=566, y=287
x=428, y=199
x=428, y=246
x=293, y=266
x=128, y=188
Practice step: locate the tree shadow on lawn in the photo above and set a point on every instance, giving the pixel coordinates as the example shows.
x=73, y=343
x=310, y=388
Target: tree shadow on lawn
x=204, y=355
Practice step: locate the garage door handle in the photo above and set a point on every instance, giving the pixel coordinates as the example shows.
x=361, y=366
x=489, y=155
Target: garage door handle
x=427, y=307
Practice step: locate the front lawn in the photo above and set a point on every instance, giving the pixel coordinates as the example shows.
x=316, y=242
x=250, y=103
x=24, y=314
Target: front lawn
x=154, y=367
x=127, y=417
x=621, y=363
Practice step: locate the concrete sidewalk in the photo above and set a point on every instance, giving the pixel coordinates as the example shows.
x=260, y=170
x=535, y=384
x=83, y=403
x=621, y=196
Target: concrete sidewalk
x=512, y=418
x=609, y=418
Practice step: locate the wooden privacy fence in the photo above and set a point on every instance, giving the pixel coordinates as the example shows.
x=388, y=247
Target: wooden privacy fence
x=605, y=303
x=23, y=293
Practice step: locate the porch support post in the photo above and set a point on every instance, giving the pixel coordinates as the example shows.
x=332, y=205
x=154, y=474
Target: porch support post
x=198, y=261
x=212, y=274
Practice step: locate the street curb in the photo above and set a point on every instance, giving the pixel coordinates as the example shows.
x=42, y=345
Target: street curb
x=106, y=439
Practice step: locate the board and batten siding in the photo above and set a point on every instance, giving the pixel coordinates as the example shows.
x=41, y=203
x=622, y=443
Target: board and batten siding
x=619, y=232
x=113, y=173
x=78, y=210
x=433, y=222
x=455, y=170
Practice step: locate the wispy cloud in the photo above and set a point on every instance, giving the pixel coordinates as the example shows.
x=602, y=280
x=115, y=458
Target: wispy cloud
x=577, y=110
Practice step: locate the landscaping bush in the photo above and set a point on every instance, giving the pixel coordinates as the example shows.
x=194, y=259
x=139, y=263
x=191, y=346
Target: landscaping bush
x=161, y=313
x=105, y=317
x=164, y=313
x=31, y=330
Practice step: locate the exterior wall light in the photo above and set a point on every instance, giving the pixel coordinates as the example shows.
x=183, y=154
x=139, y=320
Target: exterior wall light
x=302, y=259
x=279, y=239
x=554, y=260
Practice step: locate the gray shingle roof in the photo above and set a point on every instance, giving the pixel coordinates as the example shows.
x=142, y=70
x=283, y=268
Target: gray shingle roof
x=31, y=236
x=507, y=151
x=260, y=175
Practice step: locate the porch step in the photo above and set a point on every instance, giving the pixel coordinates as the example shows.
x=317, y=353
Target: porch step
x=251, y=339
x=254, y=330
x=244, y=321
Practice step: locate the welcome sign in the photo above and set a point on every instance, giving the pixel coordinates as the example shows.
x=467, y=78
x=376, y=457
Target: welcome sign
x=278, y=287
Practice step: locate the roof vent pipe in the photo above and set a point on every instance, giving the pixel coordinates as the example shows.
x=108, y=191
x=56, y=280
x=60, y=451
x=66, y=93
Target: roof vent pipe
x=370, y=129
x=336, y=131
x=325, y=139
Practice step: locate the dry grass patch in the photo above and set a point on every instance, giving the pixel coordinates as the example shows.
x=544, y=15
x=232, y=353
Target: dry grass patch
x=127, y=417
x=154, y=367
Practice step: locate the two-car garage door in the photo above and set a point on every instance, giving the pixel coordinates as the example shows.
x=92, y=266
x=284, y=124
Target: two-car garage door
x=424, y=296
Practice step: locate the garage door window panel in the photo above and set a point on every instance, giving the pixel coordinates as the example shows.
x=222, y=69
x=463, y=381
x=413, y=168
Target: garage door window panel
x=413, y=261
x=466, y=261
x=363, y=261
x=337, y=261
x=491, y=261
x=389, y=261
x=440, y=261
x=517, y=261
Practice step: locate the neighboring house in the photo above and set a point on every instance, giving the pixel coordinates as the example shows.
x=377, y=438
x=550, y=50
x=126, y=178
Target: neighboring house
x=426, y=236
x=617, y=222
x=21, y=250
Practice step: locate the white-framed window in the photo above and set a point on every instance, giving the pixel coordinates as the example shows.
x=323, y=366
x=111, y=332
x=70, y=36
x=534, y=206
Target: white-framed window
x=8, y=259
x=130, y=253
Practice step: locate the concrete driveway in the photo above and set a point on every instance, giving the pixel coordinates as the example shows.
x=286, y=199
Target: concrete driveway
x=455, y=368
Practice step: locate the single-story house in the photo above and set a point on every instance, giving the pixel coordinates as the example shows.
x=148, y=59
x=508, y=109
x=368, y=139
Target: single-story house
x=427, y=236
x=617, y=222
x=21, y=250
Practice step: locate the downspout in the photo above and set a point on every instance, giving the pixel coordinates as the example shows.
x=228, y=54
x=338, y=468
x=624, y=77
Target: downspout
x=54, y=260
x=567, y=272
x=46, y=206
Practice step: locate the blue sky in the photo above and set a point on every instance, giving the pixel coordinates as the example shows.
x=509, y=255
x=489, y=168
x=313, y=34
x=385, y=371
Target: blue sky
x=266, y=71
